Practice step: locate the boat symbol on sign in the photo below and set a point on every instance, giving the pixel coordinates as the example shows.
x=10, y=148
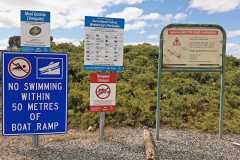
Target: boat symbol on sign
x=53, y=68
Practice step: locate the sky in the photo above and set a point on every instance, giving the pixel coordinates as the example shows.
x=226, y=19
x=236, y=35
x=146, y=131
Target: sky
x=144, y=19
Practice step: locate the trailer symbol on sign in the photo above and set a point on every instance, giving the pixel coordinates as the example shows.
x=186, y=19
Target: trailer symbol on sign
x=19, y=68
x=103, y=91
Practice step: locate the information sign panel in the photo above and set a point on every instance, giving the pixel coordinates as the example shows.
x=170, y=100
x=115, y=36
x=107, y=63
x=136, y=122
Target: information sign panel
x=34, y=93
x=103, y=43
x=35, y=31
x=192, y=47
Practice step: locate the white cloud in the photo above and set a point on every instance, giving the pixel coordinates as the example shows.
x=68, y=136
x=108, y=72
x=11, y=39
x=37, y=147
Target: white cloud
x=153, y=36
x=138, y=25
x=129, y=14
x=180, y=16
x=232, y=34
x=157, y=26
x=233, y=49
x=3, y=44
x=214, y=6
x=166, y=18
x=142, y=31
x=121, y=1
x=136, y=19
x=151, y=16
x=64, y=13
x=134, y=13
x=66, y=40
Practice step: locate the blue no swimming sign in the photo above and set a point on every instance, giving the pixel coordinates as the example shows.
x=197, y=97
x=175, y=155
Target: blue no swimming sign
x=34, y=93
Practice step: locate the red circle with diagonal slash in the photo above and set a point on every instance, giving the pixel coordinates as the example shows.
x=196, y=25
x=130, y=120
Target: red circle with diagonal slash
x=19, y=68
x=103, y=91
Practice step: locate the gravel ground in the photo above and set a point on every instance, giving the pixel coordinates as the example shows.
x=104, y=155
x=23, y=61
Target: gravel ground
x=120, y=144
x=192, y=145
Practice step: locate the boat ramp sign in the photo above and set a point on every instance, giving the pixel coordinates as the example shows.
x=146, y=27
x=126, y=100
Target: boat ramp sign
x=34, y=93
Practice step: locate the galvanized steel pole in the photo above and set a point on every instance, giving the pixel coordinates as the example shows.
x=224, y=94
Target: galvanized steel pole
x=221, y=111
x=101, y=125
x=35, y=140
x=158, y=98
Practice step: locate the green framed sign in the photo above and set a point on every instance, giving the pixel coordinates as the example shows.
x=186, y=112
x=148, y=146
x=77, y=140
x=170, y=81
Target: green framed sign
x=189, y=47
x=192, y=48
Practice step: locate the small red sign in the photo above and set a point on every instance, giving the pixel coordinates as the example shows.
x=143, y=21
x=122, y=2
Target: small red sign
x=103, y=77
x=103, y=92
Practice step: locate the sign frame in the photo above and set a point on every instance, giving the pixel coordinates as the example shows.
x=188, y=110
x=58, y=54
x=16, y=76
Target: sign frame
x=220, y=69
x=103, y=25
x=103, y=104
x=29, y=18
x=66, y=92
x=190, y=69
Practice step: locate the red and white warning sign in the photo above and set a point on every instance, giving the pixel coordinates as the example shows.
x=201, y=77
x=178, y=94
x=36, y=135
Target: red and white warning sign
x=19, y=68
x=103, y=92
x=192, y=47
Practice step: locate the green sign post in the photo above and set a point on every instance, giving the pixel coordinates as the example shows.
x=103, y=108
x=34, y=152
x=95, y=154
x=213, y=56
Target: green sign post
x=192, y=48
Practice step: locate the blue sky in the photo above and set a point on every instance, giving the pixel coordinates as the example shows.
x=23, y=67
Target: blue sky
x=144, y=18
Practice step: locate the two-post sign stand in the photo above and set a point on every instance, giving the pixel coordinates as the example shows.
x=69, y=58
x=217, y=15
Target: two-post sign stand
x=192, y=48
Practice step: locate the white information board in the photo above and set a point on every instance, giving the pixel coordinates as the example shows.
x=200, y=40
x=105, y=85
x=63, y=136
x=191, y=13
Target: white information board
x=192, y=47
x=103, y=43
x=35, y=31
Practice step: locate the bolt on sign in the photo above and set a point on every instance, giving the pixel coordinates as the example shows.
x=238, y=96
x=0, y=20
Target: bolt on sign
x=34, y=93
x=103, y=92
x=103, y=44
x=35, y=31
x=192, y=46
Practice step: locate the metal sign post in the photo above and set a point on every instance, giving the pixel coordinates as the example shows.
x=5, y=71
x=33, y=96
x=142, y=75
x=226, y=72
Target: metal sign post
x=158, y=99
x=35, y=140
x=221, y=109
x=101, y=125
x=192, y=48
